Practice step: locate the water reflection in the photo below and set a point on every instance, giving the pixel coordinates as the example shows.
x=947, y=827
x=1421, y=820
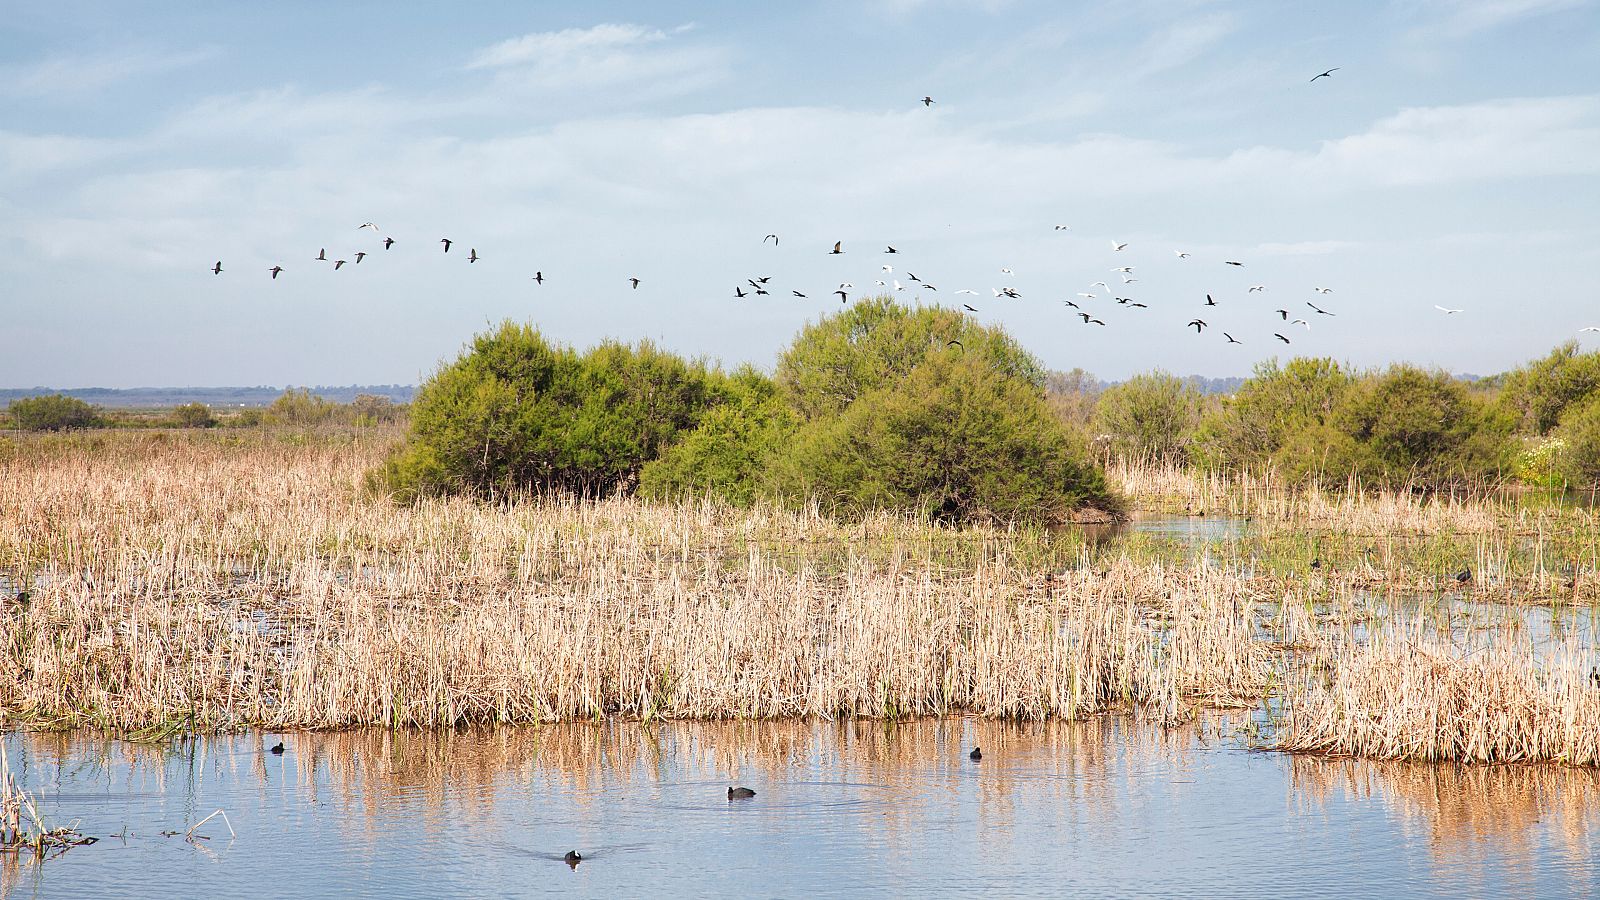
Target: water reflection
x=858, y=807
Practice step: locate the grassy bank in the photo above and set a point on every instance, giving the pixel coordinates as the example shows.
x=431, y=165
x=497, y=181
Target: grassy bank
x=217, y=581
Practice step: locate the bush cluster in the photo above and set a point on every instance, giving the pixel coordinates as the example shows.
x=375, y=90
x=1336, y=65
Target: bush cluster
x=52, y=412
x=876, y=407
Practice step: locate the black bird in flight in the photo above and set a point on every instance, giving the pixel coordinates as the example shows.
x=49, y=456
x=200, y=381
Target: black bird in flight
x=539, y=277
x=323, y=254
x=797, y=293
x=912, y=277
x=836, y=249
x=969, y=308
x=1071, y=304
x=1209, y=301
x=1318, y=308
x=1087, y=319
x=890, y=249
x=635, y=283
x=1198, y=325
x=1327, y=74
x=1232, y=263
x=275, y=270
x=388, y=242
x=774, y=239
x=955, y=343
x=446, y=242
x=738, y=291
x=1280, y=337
x=1230, y=338
x=360, y=255
x=1283, y=314
x=473, y=255
x=764, y=279
x=842, y=296
x=217, y=269
x=337, y=263
x=928, y=101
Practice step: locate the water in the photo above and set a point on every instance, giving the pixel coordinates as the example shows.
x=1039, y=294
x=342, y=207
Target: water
x=1108, y=807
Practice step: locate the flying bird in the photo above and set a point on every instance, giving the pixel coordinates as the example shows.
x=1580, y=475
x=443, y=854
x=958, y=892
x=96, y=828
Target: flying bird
x=845, y=284
x=1087, y=296
x=1198, y=325
x=1116, y=246
x=1589, y=328
x=955, y=343
x=388, y=242
x=538, y=277
x=367, y=225
x=797, y=293
x=897, y=285
x=1123, y=269
x=1209, y=301
x=275, y=270
x=1280, y=337
x=1282, y=314
x=1101, y=284
x=1448, y=312
x=635, y=283
x=323, y=254
x=836, y=248
x=1327, y=74
x=338, y=263
x=969, y=308
x=928, y=101
x=446, y=242
x=968, y=291
x=890, y=249
x=472, y=255
x=774, y=239
x=1006, y=271
x=1256, y=287
x=1230, y=338
x=360, y=255
x=1071, y=304
x=1323, y=290
x=912, y=277
x=1301, y=322
x=1319, y=309
x=738, y=291
x=842, y=296
x=1181, y=254
x=1063, y=227
x=1230, y=262
x=217, y=269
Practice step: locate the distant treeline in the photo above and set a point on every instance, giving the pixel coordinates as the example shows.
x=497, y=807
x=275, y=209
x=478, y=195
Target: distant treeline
x=167, y=397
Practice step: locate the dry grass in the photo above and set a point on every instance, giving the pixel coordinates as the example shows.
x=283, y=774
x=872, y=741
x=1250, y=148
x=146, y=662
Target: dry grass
x=213, y=582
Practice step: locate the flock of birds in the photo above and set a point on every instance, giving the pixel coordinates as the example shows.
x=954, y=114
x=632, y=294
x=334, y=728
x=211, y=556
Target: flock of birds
x=1093, y=304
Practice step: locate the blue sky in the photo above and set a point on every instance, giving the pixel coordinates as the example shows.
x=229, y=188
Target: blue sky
x=1452, y=160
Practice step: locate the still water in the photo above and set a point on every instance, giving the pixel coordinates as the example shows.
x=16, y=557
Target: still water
x=1109, y=807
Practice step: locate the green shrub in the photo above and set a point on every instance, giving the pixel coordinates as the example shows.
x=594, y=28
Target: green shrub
x=53, y=412
x=1072, y=397
x=1536, y=395
x=1579, y=434
x=300, y=409
x=193, y=415
x=1413, y=426
x=955, y=433
x=1150, y=417
x=515, y=413
x=1276, y=406
x=729, y=451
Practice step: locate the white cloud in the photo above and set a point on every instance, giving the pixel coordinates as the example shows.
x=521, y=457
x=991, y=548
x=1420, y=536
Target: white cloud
x=1459, y=18
x=602, y=56
x=86, y=74
x=557, y=47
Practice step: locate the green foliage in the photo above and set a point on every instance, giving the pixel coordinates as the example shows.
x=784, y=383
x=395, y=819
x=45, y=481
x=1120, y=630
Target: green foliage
x=300, y=409
x=53, y=412
x=728, y=452
x=877, y=342
x=963, y=434
x=371, y=410
x=1537, y=394
x=1417, y=426
x=1153, y=417
x=1579, y=434
x=1072, y=397
x=1277, y=406
x=515, y=413
x=193, y=415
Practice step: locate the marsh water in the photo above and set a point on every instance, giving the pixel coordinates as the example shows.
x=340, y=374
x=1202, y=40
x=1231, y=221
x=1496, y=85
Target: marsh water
x=1106, y=807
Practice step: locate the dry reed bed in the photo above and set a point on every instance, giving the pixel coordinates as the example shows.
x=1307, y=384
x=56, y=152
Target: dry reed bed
x=189, y=584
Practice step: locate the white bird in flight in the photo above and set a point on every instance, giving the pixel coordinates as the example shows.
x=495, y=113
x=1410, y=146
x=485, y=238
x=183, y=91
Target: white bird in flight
x=1063, y=227
x=1181, y=254
x=967, y=291
x=1445, y=310
x=1590, y=328
x=1116, y=246
x=1323, y=290
x=1256, y=287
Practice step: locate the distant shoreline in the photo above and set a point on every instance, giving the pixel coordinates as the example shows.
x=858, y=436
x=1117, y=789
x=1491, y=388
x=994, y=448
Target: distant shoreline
x=260, y=395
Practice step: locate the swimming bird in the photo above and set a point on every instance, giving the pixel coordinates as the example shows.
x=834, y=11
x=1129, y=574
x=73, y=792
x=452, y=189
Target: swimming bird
x=1230, y=338
x=323, y=254
x=635, y=283
x=360, y=255
x=1447, y=311
x=1320, y=310
x=217, y=269
x=446, y=242
x=472, y=255
x=1280, y=337
x=1464, y=576
x=774, y=239
x=276, y=749
x=977, y=753
x=388, y=242
x=1229, y=262
x=275, y=270
x=928, y=101
x=572, y=858
x=1327, y=74
x=837, y=249
x=740, y=793
x=1198, y=325
x=338, y=263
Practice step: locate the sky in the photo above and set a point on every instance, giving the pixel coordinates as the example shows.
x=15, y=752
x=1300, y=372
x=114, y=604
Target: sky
x=1452, y=159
